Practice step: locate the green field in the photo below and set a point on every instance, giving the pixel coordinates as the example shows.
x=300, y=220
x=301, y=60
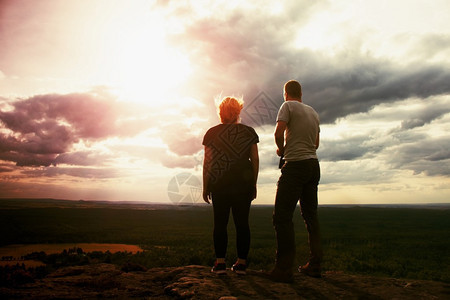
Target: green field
x=394, y=242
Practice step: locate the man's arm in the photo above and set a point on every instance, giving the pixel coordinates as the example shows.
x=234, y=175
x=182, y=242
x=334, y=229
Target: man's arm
x=317, y=140
x=279, y=136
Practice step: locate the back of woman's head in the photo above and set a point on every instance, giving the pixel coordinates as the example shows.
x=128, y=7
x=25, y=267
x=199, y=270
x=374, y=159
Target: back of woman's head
x=230, y=109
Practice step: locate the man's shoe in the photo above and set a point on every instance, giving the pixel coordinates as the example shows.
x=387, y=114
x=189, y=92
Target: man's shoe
x=311, y=270
x=219, y=268
x=278, y=275
x=239, y=269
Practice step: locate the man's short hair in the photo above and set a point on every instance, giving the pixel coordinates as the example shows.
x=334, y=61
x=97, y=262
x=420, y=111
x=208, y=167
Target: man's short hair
x=293, y=89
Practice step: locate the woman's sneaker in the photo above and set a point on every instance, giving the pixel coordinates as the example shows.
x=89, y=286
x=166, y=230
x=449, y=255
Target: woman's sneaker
x=312, y=270
x=219, y=268
x=239, y=268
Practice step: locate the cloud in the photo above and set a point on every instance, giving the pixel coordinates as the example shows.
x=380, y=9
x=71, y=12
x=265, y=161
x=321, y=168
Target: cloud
x=169, y=160
x=430, y=156
x=240, y=52
x=38, y=129
x=339, y=86
x=68, y=129
x=85, y=115
x=6, y=168
x=357, y=139
x=426, y=115
x=28, y=159
x=181, y=129
x=403, y=135
x=87, y=173
x=433, y=46
x=354, y=172
x=81, y=158
x=186, y=143
x=345, y=149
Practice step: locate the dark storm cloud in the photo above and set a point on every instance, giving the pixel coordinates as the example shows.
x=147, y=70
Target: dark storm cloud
x=252, y=54
x=40, y=128
x=430, y=156
x=86, y=116
x=360, y=88
x=28, y=159
x=242, y=52
x=5, y=168
x=426, y=115
x=347, y=149
x=246, y=53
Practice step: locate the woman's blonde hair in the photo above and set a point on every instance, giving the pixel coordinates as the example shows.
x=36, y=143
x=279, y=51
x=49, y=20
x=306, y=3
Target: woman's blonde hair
x=230, y=109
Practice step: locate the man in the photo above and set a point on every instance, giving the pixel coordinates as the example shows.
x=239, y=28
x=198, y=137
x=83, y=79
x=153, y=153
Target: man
x=297, y=138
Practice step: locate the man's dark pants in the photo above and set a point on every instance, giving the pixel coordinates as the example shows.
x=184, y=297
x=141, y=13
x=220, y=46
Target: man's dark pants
x=298, y=181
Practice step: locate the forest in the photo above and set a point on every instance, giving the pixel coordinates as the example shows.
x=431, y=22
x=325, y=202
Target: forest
x=380, y=241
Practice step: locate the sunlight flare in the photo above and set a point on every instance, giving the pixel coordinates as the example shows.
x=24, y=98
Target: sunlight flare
x=135, y=59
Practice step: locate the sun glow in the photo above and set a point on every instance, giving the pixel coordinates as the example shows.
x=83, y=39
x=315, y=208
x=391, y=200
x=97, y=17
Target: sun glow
x=320, y=33
x=134, y=57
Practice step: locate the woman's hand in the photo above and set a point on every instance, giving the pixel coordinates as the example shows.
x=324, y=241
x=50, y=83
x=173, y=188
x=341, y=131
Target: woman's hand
x=207, y=196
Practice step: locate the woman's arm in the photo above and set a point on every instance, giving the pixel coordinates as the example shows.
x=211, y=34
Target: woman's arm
x=254, y=159
x=206, y=166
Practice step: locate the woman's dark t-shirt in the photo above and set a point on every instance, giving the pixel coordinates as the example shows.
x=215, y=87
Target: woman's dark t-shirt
x=230, y=169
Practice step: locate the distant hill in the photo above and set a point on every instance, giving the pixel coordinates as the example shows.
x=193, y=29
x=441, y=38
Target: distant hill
x=6, y=203
x=50, y=202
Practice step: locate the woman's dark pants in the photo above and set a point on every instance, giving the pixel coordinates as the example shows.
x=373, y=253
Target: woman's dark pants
x=239, y=203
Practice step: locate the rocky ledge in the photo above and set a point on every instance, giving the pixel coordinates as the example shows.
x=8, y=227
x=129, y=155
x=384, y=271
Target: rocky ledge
x=197, y=282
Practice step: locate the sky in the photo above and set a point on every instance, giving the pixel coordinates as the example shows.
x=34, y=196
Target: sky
x=109, y=100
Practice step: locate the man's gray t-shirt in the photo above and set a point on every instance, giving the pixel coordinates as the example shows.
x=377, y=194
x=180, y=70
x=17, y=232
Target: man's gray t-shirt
x=301, y=132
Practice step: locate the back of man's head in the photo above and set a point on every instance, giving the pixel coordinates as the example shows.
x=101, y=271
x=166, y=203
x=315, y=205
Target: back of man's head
x=293, y=89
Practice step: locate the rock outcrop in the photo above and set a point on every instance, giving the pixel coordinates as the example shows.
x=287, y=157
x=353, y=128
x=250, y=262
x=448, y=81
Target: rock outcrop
x=197, y=282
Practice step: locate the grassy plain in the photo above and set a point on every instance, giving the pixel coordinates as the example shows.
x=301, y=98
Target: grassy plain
x=385, y=241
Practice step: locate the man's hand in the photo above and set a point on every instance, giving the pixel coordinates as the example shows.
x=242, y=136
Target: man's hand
x=280, y=152
x=279, y=136
x=207, y=196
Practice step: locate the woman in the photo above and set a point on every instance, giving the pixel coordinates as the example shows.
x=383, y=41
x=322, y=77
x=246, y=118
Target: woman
x=230, y=172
